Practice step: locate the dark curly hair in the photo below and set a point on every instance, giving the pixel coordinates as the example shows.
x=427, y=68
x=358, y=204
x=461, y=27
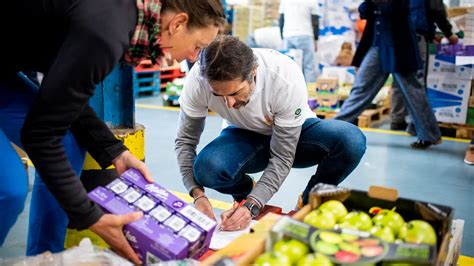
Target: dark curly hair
x=227, y=58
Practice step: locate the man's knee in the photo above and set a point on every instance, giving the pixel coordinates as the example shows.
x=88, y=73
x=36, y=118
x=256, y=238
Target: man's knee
x=207, y=170
x=354, y=142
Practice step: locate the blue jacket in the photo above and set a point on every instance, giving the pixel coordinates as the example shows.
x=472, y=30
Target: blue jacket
x=397, y=42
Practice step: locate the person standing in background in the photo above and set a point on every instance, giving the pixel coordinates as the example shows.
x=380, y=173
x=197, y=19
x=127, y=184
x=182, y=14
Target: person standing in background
x=299, y=28
x=424, y=15
x=389, y=46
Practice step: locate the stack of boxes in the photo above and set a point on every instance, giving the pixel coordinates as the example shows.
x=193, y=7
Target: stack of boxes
x=469, y=27
x=449, y=85
x=170, y=228
x=240, y=25
x=327, y=94
x=257, y=14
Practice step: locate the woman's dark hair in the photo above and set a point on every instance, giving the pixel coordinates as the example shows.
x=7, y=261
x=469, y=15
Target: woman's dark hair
x=202, y=13
x=227, y=58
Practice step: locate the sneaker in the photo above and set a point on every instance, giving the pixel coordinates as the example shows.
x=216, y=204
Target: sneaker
x=424, y=144
x=398, y=126
x=469, y=157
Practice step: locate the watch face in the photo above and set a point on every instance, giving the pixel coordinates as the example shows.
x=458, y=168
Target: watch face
x=252, y=208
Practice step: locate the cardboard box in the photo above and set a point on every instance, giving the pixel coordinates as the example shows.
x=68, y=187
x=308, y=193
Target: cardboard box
x=439, y=216
x=471, y=102
x=327, y=102
x=344, y=75
x=327, y=86
x=170, y=230
x=449, y=98
x=444, y=65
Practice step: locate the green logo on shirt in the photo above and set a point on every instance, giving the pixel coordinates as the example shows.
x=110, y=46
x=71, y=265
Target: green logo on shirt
x=297, y=113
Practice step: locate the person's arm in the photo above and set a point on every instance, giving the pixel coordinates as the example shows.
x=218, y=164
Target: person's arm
x=440, y=17
x=189, y=133
x=93, y=134
x=282, y=154
x=194, y=108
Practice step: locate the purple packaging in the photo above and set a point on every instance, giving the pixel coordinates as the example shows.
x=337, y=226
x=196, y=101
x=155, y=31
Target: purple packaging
x=160, y=213
x=151, y=241
x=118, y=186
x=200, y=220
x=193, y=235
x=175, y=223
x=108, y=201
x=145, y=203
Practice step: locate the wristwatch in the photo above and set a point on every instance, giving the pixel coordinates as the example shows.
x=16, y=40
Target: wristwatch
x=252, y=207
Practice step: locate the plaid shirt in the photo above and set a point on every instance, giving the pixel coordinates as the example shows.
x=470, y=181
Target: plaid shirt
x=145, y=43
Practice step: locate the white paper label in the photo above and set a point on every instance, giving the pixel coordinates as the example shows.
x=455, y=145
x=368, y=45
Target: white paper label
x=118, y=187
x=145, y=203
x=175, y=223
x=160, y=213
x=198, y=218
x=190, y=233
x=131, y=195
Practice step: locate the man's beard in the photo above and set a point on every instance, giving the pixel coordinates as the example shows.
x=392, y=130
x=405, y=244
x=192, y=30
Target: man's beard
x=240, y=104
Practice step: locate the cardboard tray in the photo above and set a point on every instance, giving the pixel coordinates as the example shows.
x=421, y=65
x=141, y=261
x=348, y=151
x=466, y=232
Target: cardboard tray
x=439, y=216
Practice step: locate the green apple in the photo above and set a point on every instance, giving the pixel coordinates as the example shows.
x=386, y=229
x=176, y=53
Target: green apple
x=315, y=259
x=418, y=232
x=354, y=248
x=321, y=219
x=383, y=232
x=389, y=218
x=292, y=248
x=336, y=207
x=359, y=220
x=326, y=248
x=331, y=237
x=272, y=258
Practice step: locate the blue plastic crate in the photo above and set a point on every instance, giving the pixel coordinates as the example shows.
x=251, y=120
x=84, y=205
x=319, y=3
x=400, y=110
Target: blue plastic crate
x=146, y=82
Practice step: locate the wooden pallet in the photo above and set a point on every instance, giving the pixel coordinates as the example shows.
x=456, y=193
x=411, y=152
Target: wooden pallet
x=371, y=117
x=456, y=130
x=368, y=118
x=325, y=115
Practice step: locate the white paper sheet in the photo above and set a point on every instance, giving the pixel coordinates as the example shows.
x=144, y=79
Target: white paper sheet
x=221, y=239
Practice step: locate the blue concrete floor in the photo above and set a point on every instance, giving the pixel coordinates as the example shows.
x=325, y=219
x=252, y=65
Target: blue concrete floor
x=436, y=175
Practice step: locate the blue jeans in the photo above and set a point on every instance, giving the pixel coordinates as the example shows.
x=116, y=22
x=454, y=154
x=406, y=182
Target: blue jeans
x=306, y=44
x=335, y=146
x=398, y=110
x=369, y=81
x=47, y=221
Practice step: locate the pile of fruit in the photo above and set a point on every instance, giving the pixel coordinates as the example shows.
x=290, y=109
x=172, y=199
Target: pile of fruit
x=328, y=246
x=387, y=225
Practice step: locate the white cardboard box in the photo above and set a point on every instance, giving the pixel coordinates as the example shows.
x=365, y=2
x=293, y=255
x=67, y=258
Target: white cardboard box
x=438, y=66
x=449, y=98
x=345, y=75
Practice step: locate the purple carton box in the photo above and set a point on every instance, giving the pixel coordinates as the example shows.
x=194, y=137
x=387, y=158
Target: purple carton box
x=151, y=241
x=200, y=220
x=154, y=237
